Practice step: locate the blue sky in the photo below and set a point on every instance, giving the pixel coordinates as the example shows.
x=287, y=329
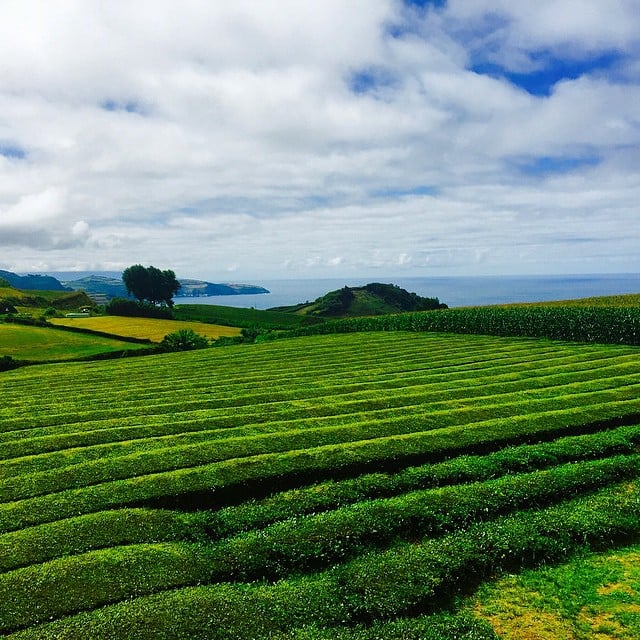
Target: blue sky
x=300, y=138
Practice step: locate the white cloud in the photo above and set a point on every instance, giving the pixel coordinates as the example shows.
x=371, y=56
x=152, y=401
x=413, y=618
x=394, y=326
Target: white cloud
x=207, y=136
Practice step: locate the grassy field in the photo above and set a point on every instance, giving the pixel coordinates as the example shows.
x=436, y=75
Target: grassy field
x=150, y=328
x=349, y=487
x=623, y=300
x=43, y=344
x=595, y=596
x=239, y=317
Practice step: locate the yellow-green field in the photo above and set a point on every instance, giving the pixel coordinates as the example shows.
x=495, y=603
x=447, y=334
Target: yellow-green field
x=150, y=328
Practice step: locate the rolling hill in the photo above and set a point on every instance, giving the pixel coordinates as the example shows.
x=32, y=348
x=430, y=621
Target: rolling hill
x=370, y=300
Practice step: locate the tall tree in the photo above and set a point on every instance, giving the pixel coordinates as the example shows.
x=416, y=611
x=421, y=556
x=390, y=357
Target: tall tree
x=151, y=284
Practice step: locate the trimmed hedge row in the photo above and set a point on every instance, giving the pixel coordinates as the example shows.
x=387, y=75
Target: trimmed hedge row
x=309, y=543
x=75, y=535
x=86, y=581
x=374, y=587
x=255, y=514
x=287, y=414
x=219, y=483
x=114, y=438
x=166, y=419
x=127, y=526
x=128, y=459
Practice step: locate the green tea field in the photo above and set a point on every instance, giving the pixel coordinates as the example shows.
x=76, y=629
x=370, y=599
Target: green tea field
x=352, y=486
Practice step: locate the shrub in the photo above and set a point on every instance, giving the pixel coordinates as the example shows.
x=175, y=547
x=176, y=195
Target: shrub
x=7, y=307
x=184, y=340
x=7, y=363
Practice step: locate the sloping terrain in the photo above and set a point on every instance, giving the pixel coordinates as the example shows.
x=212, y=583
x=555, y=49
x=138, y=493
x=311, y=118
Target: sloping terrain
x=316, y=487
x=370, y=300
x=42, y=299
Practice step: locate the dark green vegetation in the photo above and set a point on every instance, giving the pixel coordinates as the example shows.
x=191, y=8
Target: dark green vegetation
x=371, y=300
x=137, y=309
x=341, y=486
x=608, y=325
x=184, y=340
x=150, y=284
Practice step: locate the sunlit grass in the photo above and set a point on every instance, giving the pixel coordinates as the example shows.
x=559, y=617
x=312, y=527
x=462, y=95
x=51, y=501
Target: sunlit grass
x=40, y=343
x=593, y=597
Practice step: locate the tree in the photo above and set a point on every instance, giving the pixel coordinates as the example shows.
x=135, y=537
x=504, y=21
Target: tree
x=151, y=284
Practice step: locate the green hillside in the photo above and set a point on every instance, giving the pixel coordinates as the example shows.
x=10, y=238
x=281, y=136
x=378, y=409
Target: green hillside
x=25, y=300
x=370, y=300
x=333, y=486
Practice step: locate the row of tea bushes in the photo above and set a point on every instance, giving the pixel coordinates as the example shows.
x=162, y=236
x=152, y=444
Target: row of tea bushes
x=375, y=586
x=234, y=492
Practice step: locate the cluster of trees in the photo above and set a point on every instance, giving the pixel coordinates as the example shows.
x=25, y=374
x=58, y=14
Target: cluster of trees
x=153, y=290
x=150, y=284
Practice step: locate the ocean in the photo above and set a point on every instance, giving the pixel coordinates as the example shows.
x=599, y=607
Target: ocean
x=453, y=291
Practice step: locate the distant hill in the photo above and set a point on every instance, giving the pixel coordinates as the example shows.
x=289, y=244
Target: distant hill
x=372, y=299
x=197, y=288
x=33, y=282
x=104, y=288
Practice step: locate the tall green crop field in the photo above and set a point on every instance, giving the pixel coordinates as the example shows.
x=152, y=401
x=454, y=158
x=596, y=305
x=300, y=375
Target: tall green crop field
x=347, y=486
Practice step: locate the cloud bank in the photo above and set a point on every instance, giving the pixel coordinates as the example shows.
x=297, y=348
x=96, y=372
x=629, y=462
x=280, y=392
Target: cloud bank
x=299, y=138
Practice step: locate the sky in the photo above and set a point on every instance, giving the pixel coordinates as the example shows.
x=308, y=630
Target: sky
x=234, y=141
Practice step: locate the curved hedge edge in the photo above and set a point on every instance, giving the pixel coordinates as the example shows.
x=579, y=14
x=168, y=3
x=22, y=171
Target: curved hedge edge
x=333, y=494
x=91, y=531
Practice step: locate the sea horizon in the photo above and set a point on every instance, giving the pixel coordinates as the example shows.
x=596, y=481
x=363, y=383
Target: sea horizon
x=455, y=291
